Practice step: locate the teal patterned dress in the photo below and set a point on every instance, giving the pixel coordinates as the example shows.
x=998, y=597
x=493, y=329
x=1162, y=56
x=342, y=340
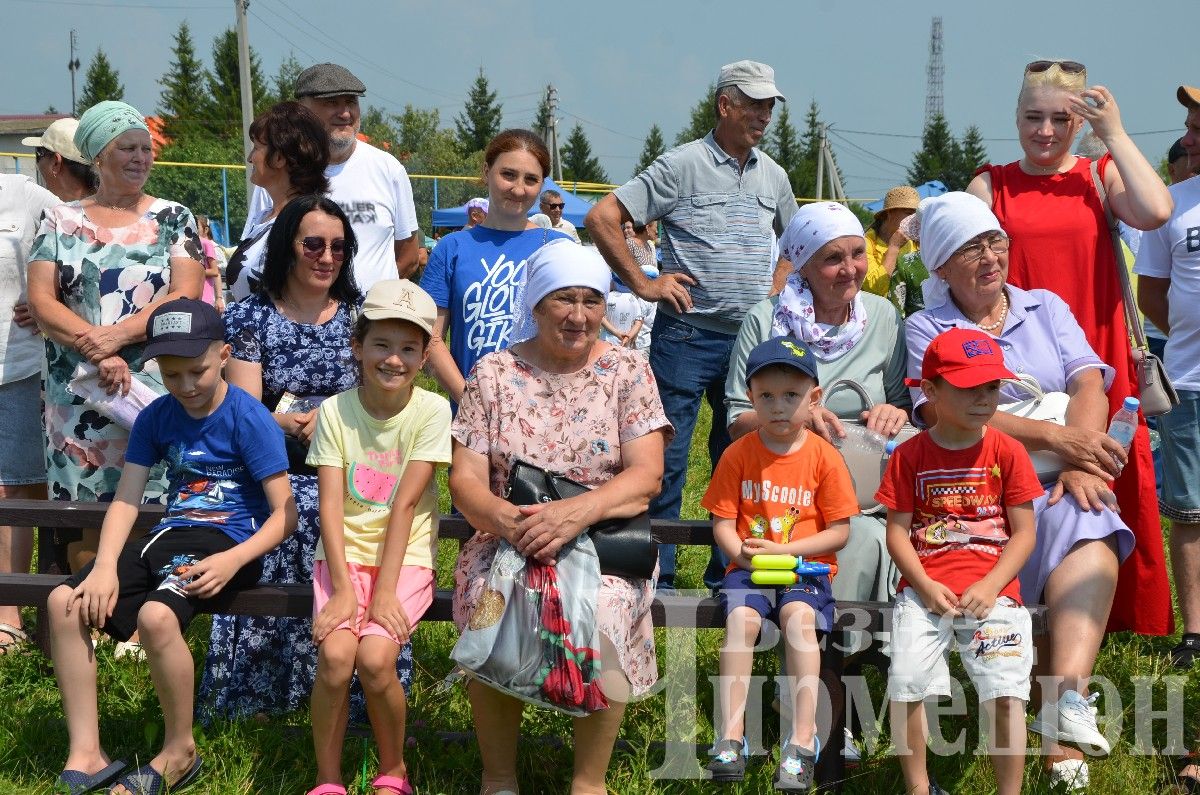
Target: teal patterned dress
x=104, y=275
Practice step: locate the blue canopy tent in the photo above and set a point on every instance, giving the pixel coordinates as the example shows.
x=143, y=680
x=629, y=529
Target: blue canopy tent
x=933, y=188
x=574, y=211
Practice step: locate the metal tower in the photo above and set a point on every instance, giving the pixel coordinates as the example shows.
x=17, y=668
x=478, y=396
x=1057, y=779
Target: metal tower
x=934, y=72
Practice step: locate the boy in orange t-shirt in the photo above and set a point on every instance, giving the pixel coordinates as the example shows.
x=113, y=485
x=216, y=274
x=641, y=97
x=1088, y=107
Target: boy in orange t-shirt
x=778, y=491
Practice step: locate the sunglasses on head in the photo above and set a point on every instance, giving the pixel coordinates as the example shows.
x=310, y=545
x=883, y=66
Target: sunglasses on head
x=558, y=206
x=1070, y=67
x=314, y=247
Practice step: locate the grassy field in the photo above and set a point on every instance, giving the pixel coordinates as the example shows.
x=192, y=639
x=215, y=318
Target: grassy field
x=275, y=757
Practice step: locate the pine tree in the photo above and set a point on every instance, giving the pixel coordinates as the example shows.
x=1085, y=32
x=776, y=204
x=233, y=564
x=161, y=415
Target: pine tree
x=542, y=119
x=704, y=118
x=783, y=145
x=184, y=103
x=225, y=87
x=479, y=121
x=651, y=149
x=285, y=78
x=102, y=82
x=578, y=163
x=938, y=157
x=972, y=155
x=416, y=128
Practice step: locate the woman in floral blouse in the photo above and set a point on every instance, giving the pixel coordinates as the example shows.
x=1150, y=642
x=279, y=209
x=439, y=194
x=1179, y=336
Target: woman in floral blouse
x=98, y=267
x=565, y=401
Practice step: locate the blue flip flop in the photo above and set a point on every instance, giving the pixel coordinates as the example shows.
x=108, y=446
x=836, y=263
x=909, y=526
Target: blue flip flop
x=76, y=782
x=148, y=781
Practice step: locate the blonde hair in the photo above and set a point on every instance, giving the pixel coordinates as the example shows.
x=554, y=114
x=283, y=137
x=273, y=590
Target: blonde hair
x=1053, y=77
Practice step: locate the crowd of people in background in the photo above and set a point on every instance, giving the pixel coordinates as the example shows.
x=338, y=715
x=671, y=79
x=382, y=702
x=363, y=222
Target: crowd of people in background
x=588, y=352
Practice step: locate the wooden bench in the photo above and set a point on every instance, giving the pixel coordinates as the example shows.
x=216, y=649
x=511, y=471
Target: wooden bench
x=296, y=600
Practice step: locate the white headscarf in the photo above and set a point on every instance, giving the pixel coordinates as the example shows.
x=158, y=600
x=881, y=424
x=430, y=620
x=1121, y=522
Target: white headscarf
x=942, y=224
x=811, y=227
x=559, y=263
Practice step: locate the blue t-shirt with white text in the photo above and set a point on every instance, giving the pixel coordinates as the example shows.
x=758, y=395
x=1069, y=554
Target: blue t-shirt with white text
x=215, y=465
x=474, y=274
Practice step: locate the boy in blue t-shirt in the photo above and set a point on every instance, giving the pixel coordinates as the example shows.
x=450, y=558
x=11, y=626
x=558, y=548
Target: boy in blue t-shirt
x=230, y=502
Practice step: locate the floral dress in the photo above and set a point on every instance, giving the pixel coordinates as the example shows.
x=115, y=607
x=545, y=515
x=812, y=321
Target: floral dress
x=265, y=664
x=103, y=275
x=574, y=424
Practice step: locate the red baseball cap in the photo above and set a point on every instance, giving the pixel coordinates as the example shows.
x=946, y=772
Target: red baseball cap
x=964, y=357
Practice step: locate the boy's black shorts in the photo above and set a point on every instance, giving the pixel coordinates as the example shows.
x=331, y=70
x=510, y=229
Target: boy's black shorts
x=154, y=569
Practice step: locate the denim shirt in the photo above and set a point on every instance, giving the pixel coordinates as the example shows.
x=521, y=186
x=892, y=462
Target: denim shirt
x=719, y=225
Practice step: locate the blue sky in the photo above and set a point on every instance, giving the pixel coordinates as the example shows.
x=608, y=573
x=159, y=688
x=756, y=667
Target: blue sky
x=620, y=66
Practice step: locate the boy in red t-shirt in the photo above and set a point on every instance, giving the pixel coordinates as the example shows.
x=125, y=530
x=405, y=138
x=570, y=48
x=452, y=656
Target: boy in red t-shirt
x=779, y=491
x=960, y=526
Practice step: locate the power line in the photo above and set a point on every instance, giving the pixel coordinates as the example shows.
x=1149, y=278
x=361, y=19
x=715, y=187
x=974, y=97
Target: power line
x=601, y=126
x=156, y=7
x=848, y=142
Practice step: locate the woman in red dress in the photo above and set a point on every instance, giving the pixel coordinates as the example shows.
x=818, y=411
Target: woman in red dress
x=1048, y=203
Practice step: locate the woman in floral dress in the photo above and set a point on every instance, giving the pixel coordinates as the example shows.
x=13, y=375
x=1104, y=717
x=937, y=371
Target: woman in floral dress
x=290, y=341
x=563, y=400
x=97, y=269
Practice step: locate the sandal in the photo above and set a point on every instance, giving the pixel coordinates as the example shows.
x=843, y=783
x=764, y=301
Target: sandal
x=327, y=789
x=395, y=784
x=148, y=781
x=729, y=761
x=76, y=782
x=17, y=639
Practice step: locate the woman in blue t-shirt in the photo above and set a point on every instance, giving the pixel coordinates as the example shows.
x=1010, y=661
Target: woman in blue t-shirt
x=472, y=274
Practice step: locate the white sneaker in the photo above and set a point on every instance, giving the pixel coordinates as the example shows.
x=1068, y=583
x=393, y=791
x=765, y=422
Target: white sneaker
x=1071, y=773
x=1072, y=721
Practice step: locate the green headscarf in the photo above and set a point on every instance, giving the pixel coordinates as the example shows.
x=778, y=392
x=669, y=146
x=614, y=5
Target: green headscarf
x=103, y=122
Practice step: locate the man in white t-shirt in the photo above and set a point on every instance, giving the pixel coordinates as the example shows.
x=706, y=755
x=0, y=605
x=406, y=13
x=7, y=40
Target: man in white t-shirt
x=1168, y=268
x=552, y=206
x=370, y=185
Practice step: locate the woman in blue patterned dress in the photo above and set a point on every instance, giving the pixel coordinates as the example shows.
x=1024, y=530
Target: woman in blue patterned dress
x=291, y=342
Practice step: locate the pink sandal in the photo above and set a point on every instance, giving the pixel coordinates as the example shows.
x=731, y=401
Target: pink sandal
x=395, y=784
x=327, y=789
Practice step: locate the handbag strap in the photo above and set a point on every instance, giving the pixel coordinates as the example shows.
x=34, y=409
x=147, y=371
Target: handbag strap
x=1029, y=384
x=853, y=386
x=1131, y=316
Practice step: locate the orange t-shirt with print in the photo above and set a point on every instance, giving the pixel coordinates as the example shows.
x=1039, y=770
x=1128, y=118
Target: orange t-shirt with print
x=781, y=497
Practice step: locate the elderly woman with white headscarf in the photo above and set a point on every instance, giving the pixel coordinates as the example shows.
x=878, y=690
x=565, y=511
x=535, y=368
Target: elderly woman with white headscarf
x=1080, y=540
x=854, y=335
x=561, y=399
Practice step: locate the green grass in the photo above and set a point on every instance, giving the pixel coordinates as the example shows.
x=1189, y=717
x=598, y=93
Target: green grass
x=276, y=758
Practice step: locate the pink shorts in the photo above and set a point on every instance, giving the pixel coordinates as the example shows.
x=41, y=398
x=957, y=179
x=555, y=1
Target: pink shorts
x=414, y=590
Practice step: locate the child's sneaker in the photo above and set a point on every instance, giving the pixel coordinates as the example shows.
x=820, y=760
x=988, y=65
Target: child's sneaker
x=850, y=751
x=796, y=767
x=1070, y=775
x=1072, y=721
x=729, y=761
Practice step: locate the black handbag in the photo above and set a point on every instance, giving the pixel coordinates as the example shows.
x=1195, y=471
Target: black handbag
x=625, y=547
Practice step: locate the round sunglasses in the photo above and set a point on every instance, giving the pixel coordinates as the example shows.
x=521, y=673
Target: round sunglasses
x=314, y=247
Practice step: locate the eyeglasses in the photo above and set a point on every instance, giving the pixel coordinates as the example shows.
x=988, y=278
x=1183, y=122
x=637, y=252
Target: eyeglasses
x=314, y=247
x=40, y=153
x=973, y=252
x=1070, y=67
x=550, y=206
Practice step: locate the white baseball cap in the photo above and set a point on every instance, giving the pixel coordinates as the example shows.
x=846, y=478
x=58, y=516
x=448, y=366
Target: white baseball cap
x=59, y=137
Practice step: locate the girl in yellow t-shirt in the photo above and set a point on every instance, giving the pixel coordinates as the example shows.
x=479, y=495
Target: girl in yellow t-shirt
x=375, y=449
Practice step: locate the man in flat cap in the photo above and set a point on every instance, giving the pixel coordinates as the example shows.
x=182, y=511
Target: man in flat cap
x=721, y=201
x=1168, y=268
x=370, y=185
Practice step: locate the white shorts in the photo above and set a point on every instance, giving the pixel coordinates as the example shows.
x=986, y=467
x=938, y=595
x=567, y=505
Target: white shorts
x=996, y=652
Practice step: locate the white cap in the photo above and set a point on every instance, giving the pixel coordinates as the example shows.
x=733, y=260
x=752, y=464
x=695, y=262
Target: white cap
x=59, y=137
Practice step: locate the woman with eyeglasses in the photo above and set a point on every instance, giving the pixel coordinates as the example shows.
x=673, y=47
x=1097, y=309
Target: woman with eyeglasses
x=1081, y=540
x=291, y=349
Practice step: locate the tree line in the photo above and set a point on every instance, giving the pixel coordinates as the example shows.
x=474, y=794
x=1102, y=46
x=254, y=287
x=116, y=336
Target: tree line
x=200, y=108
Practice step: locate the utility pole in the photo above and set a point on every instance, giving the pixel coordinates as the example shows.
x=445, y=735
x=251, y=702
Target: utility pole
x=821, y=163
x=555, y=156
x=73, y=67
x=827, y=166
x=244, y=74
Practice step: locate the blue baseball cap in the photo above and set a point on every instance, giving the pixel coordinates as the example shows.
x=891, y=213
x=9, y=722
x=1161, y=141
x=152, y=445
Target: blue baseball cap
x=782, y=350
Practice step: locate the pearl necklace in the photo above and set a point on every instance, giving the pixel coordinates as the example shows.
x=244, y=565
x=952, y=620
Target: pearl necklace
x=1003, y=314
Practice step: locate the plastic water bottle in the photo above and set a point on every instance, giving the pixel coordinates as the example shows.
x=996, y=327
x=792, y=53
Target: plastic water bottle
x=865, y=453
x=1124, y=422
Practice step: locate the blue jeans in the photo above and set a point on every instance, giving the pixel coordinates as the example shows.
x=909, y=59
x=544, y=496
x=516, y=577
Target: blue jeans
x=689, y=364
